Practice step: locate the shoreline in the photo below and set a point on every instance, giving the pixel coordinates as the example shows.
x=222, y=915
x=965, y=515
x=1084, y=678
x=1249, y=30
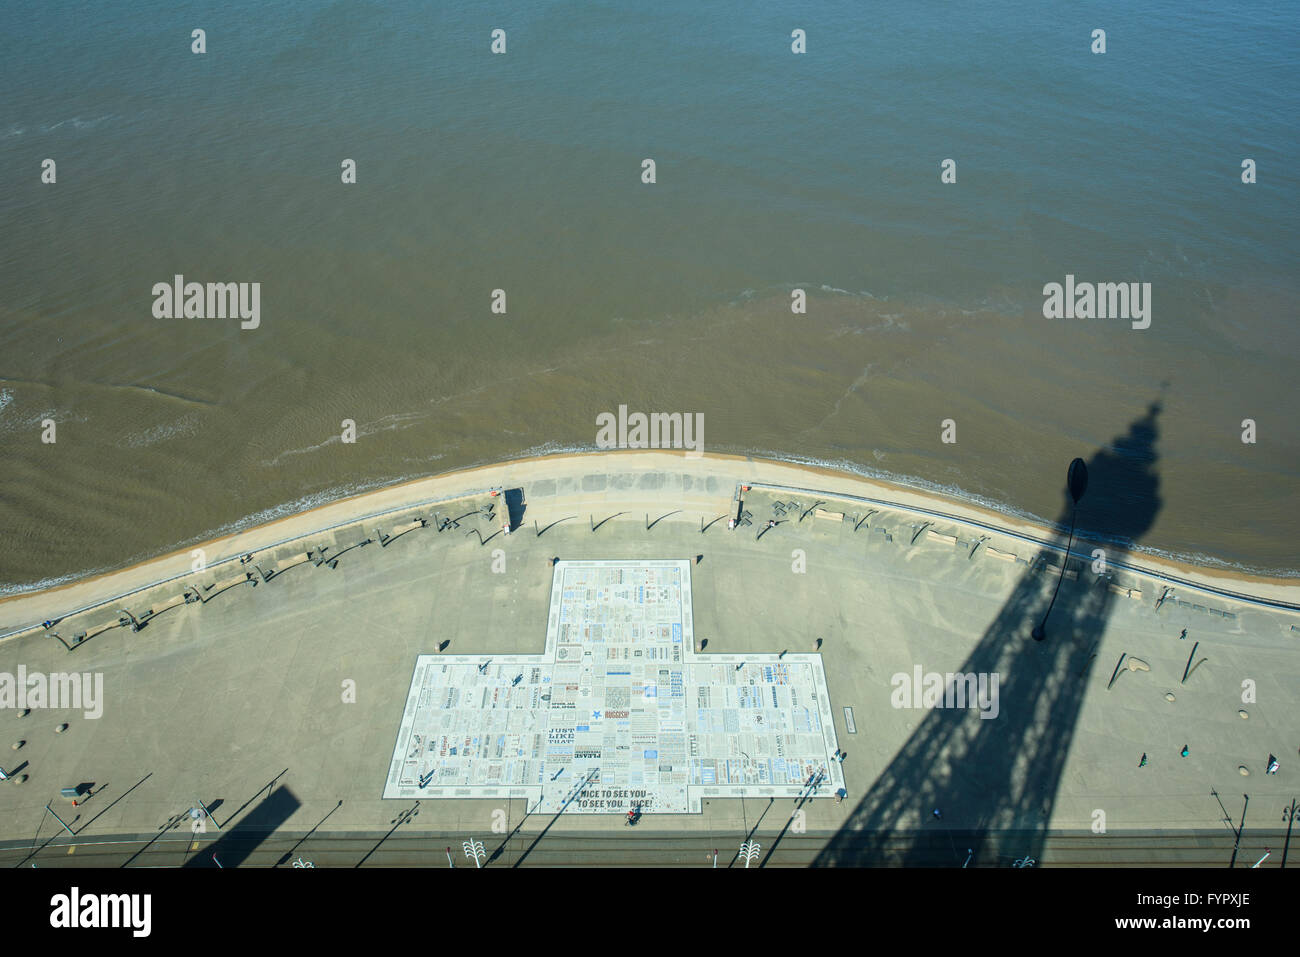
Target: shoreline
x=461, y=483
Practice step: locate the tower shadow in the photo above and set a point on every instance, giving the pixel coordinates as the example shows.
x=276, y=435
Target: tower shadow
x=996, y=780
x=237, y=844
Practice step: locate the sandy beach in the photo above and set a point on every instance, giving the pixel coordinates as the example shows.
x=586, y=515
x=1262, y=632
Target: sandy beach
x=20, y=612
x=871, y=579
x=681, y=435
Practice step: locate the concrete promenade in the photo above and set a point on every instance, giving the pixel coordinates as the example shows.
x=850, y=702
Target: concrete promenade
x=272, y=689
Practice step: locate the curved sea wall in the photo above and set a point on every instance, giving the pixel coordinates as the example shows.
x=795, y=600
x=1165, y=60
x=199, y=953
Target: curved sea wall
x=710, y=490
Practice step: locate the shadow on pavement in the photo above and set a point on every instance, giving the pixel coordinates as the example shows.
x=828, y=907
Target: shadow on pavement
x=996, y=780
x=236, y=844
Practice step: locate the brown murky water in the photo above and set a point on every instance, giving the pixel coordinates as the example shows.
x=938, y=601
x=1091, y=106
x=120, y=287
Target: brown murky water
x=238, y=433
x=523, y=172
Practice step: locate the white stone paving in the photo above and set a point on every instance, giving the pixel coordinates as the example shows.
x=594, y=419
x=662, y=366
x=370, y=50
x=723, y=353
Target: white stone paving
x=618, y=712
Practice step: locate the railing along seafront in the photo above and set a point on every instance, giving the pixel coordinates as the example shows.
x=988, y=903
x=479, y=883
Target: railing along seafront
x=740, y=489
x=369, y=517
x=1033, y=540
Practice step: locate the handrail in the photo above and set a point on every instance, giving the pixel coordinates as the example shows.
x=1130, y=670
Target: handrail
x=1128, y=566
x=284, y=541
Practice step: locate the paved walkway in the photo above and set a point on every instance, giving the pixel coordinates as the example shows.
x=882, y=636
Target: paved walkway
x=272, y=702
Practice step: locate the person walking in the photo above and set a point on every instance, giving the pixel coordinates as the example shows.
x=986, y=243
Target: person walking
x=1143, y=762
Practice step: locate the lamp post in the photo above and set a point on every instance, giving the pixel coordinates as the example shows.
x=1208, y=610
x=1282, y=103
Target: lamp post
x=60, y=820
x=749, y=850
x=475, y=850
x=209, y=816
x=1288, y=815
x=1077, y=481
x=1237, y=843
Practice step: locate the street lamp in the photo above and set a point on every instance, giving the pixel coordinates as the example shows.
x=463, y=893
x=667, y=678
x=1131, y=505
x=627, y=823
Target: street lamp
x=474, y=849
x=1077, y=481
x=1288, y=815
x=749, y=850
x=208, y=814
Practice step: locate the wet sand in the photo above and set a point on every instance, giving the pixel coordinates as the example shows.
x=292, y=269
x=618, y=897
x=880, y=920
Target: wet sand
x=261, y=668
x=20, y=612
x=858, y=385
